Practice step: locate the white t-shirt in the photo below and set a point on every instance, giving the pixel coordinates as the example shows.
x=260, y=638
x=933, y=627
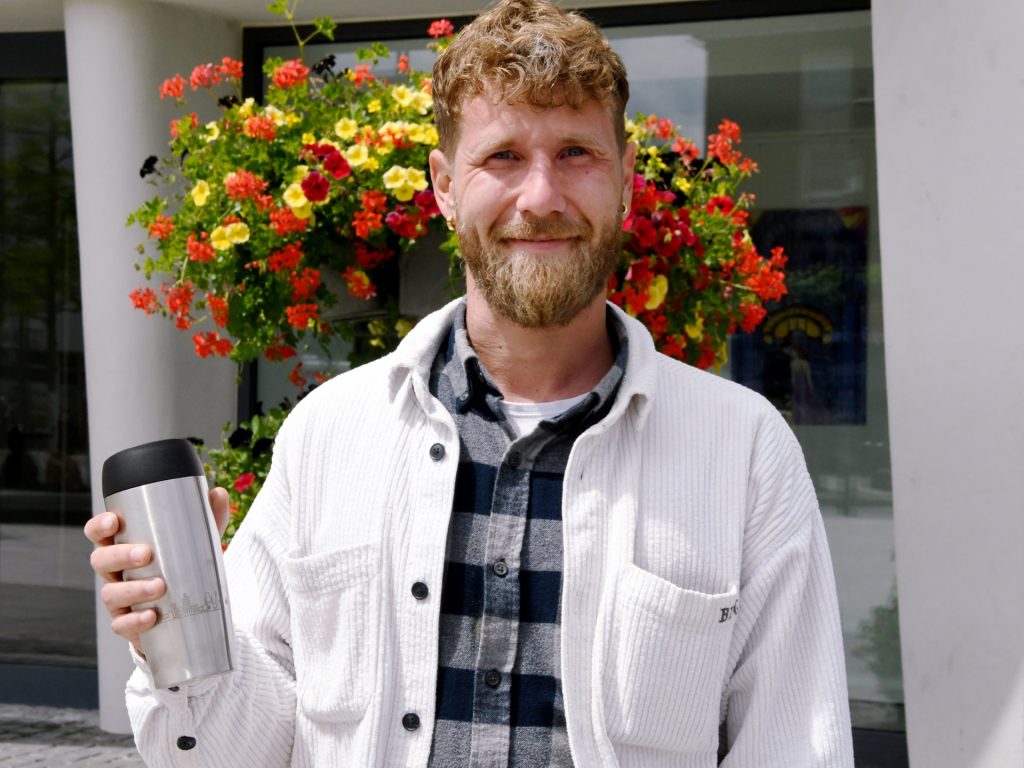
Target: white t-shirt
x=524, y=417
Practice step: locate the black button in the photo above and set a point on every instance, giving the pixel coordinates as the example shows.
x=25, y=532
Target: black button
x=410, y=721
x=174, y=689
x=514, y=459
x=186, y=742
x=493, y=678
x=437, y=451
x=420, y=591
x=500, y=568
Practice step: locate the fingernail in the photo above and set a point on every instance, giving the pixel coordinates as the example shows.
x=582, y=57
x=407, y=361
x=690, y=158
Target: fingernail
x=151, y=587
x=137, y=555
x=108, y=523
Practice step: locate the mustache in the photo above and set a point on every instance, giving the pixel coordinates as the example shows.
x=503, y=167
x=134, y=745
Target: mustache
x=550, y=228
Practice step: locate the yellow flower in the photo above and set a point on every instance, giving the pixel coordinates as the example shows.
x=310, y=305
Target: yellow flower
x=395, y=177
x=422, y=133
x=402, y=95
x=346, y=128
x=633, y=131
x=303, y=211
x=373, y=106
x=695, y=330
x=417, y=178
x=371, y=164
x=402, y=327
x=219, y=239
x=422, y=101
x=247, y=107
x=308, y=138
x=384, y=149
x=356, y=155
x=722, y=356
x=656, y=292
x=212, y=132
x=200, y=192
x=238, y=232
x=300, y=171
x=683, y=184
x=291, y=118
x=275, y=114
x=295, y=197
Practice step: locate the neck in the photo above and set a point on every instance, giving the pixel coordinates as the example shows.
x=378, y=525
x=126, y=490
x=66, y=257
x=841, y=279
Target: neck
x=539, y=365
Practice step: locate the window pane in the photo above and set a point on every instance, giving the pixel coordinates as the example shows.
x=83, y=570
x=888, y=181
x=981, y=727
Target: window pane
x=46, y=586
x=801, y=89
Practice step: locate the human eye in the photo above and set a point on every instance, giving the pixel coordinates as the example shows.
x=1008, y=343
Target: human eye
x=575, y=151
x=502, y=154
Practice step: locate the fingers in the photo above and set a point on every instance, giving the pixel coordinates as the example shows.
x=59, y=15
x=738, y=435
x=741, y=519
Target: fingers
x=221, y=510
x=130, y=624
x=101, y=528
x=109, y=560
x=120, y=596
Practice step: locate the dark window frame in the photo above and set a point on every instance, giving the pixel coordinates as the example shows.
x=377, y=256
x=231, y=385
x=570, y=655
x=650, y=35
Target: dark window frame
x=873, y=748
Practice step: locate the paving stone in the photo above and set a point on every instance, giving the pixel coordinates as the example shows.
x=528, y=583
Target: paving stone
x=32, y=737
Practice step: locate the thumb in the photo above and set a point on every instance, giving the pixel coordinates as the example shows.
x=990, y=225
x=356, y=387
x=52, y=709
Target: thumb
x=219, y=504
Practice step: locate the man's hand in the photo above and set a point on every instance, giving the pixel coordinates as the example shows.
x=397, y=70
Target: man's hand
x=110, y=560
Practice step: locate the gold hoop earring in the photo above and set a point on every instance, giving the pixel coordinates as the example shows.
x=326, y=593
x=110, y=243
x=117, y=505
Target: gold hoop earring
x=625, y=209
x=450, y=222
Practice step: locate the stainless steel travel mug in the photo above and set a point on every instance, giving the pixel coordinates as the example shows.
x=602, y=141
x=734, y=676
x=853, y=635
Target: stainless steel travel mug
x=159, y=493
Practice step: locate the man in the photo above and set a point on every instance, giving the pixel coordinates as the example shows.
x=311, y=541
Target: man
x=525, y=538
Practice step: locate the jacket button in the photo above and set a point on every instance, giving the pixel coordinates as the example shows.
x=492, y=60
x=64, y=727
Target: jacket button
x=420, y=591
x=493, y=678
x=500, y=569
x=410, y=721
x=186, y=742
x=514, y=459
x=437, y=451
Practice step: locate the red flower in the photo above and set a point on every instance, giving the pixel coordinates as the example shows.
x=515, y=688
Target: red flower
x=211, y=343
x=181, y=125
x=161, y=227
x=218, y=308
x=359, y=283
x=367, y=258
x=361, y=74
x=374, y=200
x=290, y=74
x=753, y=314
x=179, y=298
x=720, y=204
x=199, y=249
x=364, y=223
x=145, y=299
x=244, y=481
x=242, y=185
x=284, y=221
x=204, y=76
x=336, y=165
x=305, y=283
x=275, y=352
x=295, y=377
x=441, y=28
x=300, y=315
x=404, y=224
x=230, y=68
x=285, y=258
x=315, y=187
x=427, y=204
x=260, y=128
x=403, y=63
x=173, y=88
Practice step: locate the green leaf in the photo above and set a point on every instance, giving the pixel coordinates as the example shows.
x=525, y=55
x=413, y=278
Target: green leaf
x=278, y=7
x=325, y=26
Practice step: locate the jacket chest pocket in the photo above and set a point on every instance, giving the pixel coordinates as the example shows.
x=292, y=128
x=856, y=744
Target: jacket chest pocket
x=334, y=611
x=664, y=667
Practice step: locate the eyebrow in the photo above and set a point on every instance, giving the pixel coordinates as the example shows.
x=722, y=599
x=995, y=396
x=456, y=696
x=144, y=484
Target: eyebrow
x=505, y=142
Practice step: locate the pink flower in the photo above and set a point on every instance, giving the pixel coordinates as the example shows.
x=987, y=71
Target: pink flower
x=441, y=28
x=315, y=187
x=243, y=481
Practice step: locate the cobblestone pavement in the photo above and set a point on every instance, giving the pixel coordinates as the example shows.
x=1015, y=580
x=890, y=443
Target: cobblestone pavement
x=47, y=737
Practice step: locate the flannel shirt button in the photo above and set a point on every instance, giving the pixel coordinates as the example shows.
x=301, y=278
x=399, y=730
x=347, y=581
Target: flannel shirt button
x=437, y=451
x=186, y=742
x=462, y=399
x=500, y=569
x=493, y=678
x=420, y=591
x=410, y=721
x=514, y=459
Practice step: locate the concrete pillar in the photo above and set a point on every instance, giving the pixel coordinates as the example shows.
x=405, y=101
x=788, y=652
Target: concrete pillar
x=949, y=89
x=144, y=382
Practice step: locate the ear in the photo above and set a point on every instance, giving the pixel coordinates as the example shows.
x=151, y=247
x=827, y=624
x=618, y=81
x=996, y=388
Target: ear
x=628, y=169
x=441, y=180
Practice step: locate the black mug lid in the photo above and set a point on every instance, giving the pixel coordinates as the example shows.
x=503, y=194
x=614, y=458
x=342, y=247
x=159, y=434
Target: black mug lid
x=150, y=463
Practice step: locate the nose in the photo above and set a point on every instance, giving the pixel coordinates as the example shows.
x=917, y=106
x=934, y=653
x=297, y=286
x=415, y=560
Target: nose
x=540, y=193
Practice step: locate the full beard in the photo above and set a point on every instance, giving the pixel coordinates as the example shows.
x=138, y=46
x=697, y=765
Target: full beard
x=542, y=291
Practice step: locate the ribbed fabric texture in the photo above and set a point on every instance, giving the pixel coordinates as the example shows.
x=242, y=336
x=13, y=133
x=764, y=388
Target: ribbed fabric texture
x=696, y=585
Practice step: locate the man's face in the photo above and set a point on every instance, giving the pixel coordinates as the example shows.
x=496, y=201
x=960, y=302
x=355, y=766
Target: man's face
x=537, y=198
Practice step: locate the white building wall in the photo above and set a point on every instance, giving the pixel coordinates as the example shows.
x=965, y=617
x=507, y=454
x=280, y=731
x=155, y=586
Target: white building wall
x=144, y=382
x=949, y=89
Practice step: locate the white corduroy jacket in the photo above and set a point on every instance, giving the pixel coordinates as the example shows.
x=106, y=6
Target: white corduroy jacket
x=697, y=584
